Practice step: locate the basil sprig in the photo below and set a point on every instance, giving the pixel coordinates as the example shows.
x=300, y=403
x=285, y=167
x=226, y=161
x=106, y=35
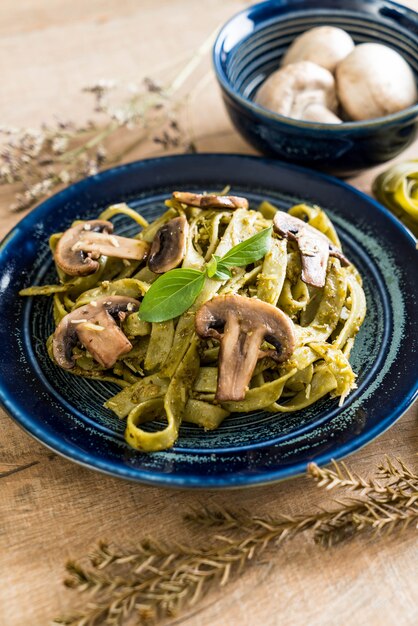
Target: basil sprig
x=171, y=294
x=175, y=291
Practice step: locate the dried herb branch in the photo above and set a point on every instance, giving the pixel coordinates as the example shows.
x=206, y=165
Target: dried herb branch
x=153, y=580
x=37, y=162
x=163, y=578
x=390, y=501
x=397, y=477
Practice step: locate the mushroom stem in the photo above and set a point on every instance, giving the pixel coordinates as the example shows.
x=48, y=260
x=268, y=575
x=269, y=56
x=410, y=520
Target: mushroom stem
x=111, y=245
x=237, y=360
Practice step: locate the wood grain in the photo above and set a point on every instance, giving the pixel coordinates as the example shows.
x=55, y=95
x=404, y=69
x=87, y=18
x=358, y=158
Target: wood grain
x=51, y=509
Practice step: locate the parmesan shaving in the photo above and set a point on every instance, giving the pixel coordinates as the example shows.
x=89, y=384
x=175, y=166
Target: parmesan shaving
x=92, y=326
x=114, y=241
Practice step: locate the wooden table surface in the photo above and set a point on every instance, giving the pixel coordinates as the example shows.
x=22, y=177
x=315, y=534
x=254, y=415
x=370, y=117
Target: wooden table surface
x=53, y=509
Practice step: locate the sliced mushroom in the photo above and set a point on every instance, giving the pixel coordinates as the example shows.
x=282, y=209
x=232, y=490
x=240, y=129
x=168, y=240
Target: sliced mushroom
x=75, y=262
x=294, y=89
x=314, y=247
x=94, y=325
x=211, y=201
x=241, y=325
x=169, y=245
x=81, y=245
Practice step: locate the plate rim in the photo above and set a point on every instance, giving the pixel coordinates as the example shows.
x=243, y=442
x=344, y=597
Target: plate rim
x=156, y=478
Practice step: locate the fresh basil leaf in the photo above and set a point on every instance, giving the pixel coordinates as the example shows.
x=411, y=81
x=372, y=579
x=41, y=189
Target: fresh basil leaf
x=212, y=266
x=171, y=294
x=175, y=292
x=215, y=270
x=247, y=251
x=222, y=273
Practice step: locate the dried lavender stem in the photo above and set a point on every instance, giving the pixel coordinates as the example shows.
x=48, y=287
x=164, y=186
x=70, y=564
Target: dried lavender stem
x=73, y=154
x=188, y=70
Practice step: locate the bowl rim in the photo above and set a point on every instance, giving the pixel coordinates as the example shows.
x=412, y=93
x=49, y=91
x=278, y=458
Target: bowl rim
x=276, y=117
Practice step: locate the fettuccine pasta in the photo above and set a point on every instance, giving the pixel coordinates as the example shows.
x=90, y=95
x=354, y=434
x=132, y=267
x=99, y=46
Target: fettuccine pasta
x=167, y=370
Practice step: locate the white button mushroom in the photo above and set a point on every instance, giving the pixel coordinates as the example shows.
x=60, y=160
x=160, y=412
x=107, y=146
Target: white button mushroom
x=316, y=112
x=374, y=80
x=304, y=91
x=323, y=45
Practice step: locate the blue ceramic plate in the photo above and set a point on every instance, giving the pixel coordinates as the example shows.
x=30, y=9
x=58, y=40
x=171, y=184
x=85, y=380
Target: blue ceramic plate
x=66, y=413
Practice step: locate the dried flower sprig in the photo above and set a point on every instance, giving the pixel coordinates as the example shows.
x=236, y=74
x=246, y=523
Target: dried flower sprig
x=396, y=475
x=154, y=580
x=386, y=506
x=36, y=162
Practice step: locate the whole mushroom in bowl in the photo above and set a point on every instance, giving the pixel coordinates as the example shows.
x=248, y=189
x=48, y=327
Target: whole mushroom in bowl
x=269, y=37
x=374, y=80
x=371, y=80
x=324, y=45
x=303, y=90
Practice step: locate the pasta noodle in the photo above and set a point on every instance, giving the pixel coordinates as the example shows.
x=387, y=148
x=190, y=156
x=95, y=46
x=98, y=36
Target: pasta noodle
x=170, y=372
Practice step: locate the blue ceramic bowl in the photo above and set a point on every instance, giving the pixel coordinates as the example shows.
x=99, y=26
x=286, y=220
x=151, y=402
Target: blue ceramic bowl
x=250, y=47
